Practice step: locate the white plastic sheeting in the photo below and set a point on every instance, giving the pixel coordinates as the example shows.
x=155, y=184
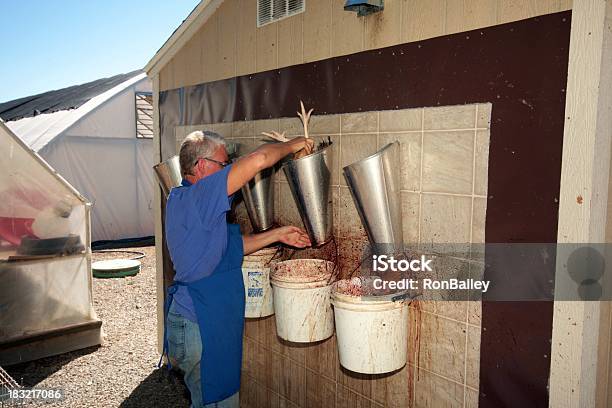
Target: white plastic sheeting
x=39, y=130
x=96, y=150
x=43, y=296
x=116, y=176
x=39, y=294
x=34, y=201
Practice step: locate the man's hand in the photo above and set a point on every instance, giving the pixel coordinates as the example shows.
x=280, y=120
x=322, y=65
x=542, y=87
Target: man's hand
x=293, y=236
x=266, y=155
x=301, y=145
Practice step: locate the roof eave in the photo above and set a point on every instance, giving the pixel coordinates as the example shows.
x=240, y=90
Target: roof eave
x=196, y=19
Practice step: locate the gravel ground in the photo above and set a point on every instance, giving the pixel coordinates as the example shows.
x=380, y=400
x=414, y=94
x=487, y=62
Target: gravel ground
x=123, y=371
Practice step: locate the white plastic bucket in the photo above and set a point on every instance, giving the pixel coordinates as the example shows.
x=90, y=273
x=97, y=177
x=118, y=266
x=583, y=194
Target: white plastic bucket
x=256, y=277
x=372, y=333
x=302, y=300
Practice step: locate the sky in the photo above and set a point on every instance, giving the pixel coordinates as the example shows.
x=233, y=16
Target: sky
x=52, y=44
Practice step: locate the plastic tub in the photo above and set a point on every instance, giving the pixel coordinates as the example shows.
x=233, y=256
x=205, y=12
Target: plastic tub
x=256, y=277
x=302, y=305
x=371, y=331
x=264, y=254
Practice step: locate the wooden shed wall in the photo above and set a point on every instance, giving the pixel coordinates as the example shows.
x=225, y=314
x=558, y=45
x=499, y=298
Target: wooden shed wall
x=230, y=43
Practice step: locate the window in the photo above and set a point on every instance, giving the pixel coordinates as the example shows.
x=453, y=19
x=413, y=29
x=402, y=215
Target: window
x=269, y=11
x=144, y=115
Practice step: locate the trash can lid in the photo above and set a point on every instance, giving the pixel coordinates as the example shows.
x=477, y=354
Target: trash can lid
x=112, y=268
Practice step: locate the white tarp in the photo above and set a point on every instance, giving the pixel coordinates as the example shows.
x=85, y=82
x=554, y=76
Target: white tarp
x=34, y=201
x=94, y=147
x=40, y=294
x=116, y=177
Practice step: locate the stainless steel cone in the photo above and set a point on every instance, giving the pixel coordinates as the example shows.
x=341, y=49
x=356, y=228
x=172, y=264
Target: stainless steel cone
x=310, y=182
x=168, y=174
x=258, y=195
x=375, y=186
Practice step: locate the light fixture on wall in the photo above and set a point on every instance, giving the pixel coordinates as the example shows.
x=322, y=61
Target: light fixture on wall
x=364, y=7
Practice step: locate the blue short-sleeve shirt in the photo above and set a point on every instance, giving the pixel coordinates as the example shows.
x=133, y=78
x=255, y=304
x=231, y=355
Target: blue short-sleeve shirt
x=196, y=232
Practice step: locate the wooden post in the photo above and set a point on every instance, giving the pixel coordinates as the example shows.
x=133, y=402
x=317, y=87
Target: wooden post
x=578, y=327
x=159, y=258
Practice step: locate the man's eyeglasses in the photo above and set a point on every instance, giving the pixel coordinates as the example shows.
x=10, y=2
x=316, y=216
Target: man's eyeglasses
x=222, y=164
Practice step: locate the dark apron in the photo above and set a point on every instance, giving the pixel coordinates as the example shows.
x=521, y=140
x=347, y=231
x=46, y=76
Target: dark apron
x=219, y=307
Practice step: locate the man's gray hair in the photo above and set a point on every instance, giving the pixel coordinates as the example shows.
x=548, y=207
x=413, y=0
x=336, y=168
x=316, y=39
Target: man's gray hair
x=196, y=145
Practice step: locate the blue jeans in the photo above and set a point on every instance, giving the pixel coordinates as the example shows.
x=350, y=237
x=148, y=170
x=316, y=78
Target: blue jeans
x=185, y=352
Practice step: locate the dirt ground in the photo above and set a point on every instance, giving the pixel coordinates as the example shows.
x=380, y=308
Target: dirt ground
x=123, y=371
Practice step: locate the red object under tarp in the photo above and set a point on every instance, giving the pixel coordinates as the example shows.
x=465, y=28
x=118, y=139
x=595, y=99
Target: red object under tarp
x=13, y=229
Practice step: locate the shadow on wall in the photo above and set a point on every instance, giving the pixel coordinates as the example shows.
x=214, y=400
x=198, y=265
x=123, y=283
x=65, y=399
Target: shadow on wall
x=162, y=388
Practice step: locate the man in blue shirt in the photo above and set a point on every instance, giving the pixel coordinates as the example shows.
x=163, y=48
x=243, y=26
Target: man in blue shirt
x=206, y=301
